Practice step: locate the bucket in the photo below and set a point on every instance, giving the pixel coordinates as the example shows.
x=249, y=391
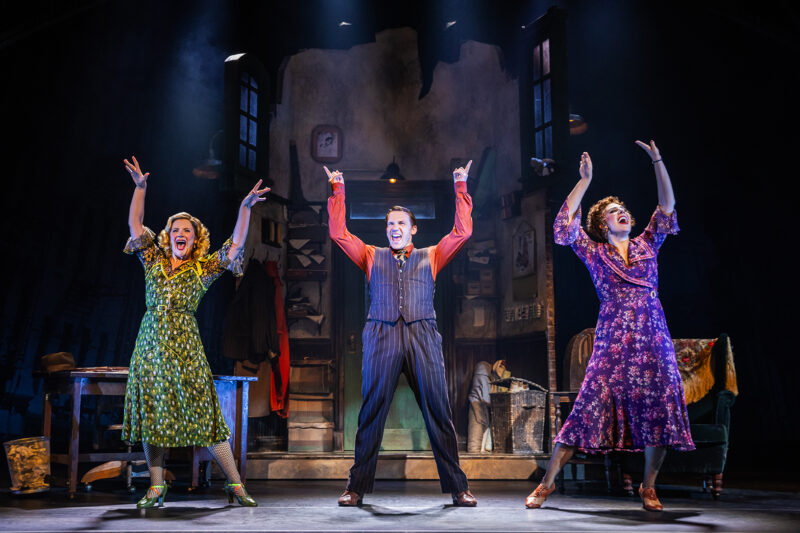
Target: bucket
x=29, y=464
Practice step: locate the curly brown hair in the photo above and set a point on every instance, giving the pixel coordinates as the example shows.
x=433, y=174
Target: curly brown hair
x=596, y=218
x=202, y=237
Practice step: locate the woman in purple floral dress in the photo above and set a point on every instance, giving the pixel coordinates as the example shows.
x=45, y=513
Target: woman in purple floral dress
x=632, y=396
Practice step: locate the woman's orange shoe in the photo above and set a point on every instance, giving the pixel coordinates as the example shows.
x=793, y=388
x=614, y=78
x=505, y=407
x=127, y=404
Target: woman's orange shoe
x=649, y=499
x=536, y=498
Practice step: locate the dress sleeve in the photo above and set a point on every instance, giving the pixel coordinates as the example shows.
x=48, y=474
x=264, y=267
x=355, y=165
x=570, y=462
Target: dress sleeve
x=212, y=266
x=570, y=233
x=145, y=248
x=661, y=225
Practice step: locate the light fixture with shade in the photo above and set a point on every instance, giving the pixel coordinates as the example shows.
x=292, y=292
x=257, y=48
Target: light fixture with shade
x=577, y=125
x=392, y=172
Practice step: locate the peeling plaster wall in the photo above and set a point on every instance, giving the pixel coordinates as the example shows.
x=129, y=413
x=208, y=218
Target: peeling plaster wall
x=371, y=92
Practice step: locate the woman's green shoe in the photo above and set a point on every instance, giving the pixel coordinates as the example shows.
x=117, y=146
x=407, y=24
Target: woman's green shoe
x=149, y=503
x=237, y=490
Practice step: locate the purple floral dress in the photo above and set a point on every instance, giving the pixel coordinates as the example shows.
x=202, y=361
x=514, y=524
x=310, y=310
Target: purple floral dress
x=632, y=395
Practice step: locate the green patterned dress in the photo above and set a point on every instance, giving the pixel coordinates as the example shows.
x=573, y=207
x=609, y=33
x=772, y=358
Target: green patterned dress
x=170, y=398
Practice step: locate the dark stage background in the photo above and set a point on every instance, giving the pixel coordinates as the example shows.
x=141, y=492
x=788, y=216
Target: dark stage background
x=87, y=84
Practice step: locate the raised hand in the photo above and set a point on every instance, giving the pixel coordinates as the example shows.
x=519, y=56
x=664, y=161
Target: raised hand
x=585, y=168
x=651, y=150
x=136, y=173
x=335, y=176
x=255, y=195
x=462, y=173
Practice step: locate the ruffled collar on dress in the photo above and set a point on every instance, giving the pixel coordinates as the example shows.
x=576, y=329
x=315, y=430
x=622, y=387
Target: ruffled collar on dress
x=638, y=250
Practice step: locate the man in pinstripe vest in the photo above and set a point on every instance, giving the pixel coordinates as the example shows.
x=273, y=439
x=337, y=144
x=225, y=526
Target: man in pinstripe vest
x=401, y=336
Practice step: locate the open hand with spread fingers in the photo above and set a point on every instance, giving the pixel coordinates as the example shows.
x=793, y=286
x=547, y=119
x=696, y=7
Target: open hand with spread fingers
x=139, y=178
x=651, y=150
x=335, y=176
x=255, y=195
x=462, y=173
x=585, y=168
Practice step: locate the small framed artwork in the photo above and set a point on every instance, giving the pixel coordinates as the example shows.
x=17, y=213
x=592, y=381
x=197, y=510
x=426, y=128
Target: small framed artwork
x=326, y=144
x=523, y=250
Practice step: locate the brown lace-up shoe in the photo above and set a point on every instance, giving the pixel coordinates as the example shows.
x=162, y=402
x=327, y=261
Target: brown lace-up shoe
x=350, y=499
x=649, y=499
x=536, y=498
x=465, y=499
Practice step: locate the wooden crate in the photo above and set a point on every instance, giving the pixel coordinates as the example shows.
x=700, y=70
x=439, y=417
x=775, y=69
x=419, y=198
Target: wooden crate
x=310, y=408
x=310, y=437
x=518, y=421
x=310, y=376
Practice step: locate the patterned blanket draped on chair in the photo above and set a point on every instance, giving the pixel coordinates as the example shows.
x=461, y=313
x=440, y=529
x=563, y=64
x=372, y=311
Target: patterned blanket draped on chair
x=709, y=382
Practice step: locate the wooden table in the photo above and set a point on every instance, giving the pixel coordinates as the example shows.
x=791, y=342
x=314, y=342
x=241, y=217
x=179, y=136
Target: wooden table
x=233, y=392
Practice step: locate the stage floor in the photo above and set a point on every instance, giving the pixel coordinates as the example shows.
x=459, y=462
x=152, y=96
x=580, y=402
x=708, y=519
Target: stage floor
x=399, y=506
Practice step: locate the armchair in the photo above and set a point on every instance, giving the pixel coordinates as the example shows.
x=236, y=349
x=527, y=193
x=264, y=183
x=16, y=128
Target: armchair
x=709, y=380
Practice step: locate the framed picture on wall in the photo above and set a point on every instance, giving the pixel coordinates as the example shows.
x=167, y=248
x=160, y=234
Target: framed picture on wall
x=326, y=144
x=523, y=250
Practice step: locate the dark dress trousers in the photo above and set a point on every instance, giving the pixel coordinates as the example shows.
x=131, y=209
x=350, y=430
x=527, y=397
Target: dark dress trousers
x=401, y=336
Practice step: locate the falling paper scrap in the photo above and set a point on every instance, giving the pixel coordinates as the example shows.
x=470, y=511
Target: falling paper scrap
x=305, y=261
x=318, y=258
x=298, y=243
x=307, y=250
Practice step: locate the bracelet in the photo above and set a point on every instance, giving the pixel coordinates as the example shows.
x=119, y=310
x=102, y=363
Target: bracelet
x=657, y=161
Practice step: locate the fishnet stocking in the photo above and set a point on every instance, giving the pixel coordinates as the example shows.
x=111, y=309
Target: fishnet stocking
x=223, y=454
x=155, y=463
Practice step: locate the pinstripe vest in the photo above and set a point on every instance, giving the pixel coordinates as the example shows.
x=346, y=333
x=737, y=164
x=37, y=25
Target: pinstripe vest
x=396, y=291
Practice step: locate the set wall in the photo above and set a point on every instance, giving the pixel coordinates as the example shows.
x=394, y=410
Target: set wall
x=371, y=92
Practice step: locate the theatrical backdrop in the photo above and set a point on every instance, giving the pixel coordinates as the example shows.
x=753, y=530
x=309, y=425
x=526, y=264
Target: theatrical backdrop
x=212, y=96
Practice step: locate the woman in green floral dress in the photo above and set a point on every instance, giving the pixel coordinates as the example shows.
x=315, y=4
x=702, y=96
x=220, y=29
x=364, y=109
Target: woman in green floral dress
x=171, y=399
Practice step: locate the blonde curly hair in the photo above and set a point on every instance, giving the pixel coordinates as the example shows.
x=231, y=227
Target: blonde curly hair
x=202, y=237
x=596, y=218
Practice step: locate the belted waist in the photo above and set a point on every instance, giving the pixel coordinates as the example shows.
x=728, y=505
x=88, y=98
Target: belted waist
x=167, y=309
x=643, y=292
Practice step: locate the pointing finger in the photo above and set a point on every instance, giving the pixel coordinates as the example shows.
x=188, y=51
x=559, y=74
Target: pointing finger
x=467, y=167
x=328, y=172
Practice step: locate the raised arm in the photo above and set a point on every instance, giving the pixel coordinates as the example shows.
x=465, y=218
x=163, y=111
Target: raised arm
x=666, y=197
x=451, y=243
x=353, y=247
x=576, y=195
x=243, y=220
x=136, y=212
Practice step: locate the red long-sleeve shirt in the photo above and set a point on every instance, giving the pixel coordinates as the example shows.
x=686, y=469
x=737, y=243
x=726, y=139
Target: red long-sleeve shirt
x=363, y=255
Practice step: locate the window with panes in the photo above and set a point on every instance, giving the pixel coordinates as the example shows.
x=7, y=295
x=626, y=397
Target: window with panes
x=248, y=121
x=542, y=110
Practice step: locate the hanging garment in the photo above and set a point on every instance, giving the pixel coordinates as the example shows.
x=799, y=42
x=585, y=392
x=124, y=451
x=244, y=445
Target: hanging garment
x=250, y=331
x=279, y=401
x=258, y=404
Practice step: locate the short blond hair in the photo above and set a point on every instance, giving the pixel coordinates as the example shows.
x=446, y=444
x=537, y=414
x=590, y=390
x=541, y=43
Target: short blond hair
x=202, y=237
